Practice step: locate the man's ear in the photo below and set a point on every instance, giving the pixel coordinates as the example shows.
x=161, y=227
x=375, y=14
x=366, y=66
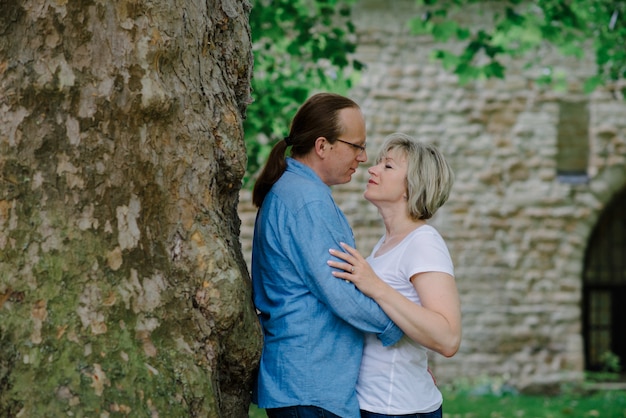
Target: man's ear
x=322, y=146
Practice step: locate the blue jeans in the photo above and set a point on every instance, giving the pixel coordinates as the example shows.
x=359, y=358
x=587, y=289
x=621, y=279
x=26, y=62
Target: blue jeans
x=435, y=414
x=300, y=412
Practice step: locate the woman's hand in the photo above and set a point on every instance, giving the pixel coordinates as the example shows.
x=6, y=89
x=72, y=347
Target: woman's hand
x=356, y=270
x=435, y=324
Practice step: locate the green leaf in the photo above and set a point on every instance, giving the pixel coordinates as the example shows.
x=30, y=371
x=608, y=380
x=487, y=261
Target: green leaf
x=448, y=59
x=300, y=46
x=420, y=26
x=592, y=83
x=494, y=69
x=462, y=33
x=444, y=31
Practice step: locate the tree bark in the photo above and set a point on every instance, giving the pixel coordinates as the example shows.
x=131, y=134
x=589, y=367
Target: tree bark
x=123, y=290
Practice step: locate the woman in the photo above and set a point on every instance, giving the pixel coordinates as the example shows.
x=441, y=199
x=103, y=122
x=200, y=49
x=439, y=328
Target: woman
x=410, y=275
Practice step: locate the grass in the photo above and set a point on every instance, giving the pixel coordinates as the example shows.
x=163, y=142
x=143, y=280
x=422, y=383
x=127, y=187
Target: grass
x=608, y=404
x=460, y=403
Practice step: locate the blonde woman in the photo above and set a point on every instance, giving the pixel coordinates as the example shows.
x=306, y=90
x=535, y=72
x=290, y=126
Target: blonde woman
x=411, y=276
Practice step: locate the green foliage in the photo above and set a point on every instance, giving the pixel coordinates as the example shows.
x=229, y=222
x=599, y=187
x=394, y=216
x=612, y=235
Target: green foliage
x=300, y=47
x=610, y=371
x=304, y=46
x=607, y=404
x=611, y=362
x=520, y=27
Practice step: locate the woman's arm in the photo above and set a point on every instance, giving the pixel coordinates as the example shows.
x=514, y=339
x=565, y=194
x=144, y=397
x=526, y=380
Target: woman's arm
x=436, y=324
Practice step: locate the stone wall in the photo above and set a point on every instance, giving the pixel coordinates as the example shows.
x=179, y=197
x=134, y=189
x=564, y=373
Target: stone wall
x=516, y=232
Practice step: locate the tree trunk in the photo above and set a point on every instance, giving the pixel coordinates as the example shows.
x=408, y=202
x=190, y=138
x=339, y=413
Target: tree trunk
x=123, y=290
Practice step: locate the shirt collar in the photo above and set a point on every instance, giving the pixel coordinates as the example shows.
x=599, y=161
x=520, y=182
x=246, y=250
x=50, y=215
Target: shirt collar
x=301, y=169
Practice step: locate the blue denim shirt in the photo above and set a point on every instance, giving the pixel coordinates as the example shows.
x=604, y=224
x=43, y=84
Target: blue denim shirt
x=313, y=323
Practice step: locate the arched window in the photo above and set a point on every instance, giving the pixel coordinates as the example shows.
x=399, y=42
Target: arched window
x=604, y=287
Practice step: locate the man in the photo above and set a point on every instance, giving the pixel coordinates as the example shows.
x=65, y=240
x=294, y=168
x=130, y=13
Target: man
x=313, y=324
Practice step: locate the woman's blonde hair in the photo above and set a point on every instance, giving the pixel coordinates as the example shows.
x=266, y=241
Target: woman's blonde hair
x=429, y=176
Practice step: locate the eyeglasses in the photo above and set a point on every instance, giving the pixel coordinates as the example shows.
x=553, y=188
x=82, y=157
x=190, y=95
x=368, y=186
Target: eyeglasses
x=361, y=148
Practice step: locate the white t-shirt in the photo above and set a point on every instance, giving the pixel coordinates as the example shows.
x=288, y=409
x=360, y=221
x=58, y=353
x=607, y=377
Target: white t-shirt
x=395, y=380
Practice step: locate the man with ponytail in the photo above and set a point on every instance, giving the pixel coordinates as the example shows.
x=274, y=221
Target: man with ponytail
x=313, y=324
